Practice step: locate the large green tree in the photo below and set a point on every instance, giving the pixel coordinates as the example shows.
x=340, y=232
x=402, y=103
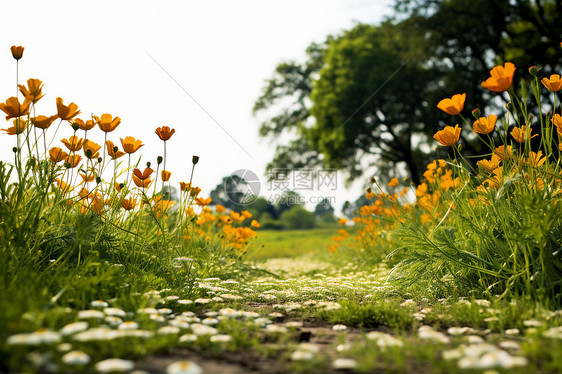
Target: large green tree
x=367, y=96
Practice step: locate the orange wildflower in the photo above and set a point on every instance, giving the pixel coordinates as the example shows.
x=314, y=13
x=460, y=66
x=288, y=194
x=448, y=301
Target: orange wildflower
x=118, y=186
x=194, y=191
x=17, y=52
x=14, y=109
x=448, y=136
x=164, y=132
x=66, y=112
x=88, y=125
x=219, y=208
x=144, y=174
x=535, y=159
x=393, y=182
x=342, y=221
x=33, y=90
x=44, y=122
x=19, y=126
x=500, y=78
x=107, y=123
x=112, y=150
x=91, y=149
x=255, y=224
x=65, y=187
x=165, y=175
x=202, y=202
x=504, y=152
x=84, y=193
x=490, y=165
x=128, y=204
x=141, y=183
x=485, y=125
x=130, y=144
x=557, y=121
x=73, y=143
x=57, y=155
x=454, y=105
x=553, y=84
x=246, y=214
x=185, y=186
x=87, y=177
x=520, y=134
x=72, y=161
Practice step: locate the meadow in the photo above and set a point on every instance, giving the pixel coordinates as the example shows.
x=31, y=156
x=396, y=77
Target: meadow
x=103, y=272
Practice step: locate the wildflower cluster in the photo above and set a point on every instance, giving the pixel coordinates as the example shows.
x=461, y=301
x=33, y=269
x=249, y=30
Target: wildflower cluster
x=497, y=221
x=104, y=180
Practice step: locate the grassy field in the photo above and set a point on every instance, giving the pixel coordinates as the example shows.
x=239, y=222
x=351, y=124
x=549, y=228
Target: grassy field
x=290, y=243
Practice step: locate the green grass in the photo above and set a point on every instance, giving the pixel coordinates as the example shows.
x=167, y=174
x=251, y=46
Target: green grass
x=291, y=243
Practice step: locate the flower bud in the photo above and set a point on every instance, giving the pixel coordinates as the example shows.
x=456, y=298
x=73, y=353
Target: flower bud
x=533, y=70
x=75, y=126
x=148, y=164
x=100, y=160
x=98, y=180
x=476, y=113
x=159, y=160
x=195, y=160
x=17, y=52
x=15, y=149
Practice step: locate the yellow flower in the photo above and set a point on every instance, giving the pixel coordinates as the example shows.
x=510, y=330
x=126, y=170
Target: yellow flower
x=17, y=52
x=202, y=202
x=128, y=204
x=107, y=123
x=520, y=134
x=19, y=126
x=393, y=182
x=165, y=175
x=141, y=183
x=87, y=177
x=485, y=125
x=490, y=165
x=454, y=105
x=504, y=152
x=448, y=136
x=535, y=159
x=185, y=186
x=43, y=122
x=65, y=187
x=66, y=112
x=88, y=125
x=164, y=132
x=255, y=224
x=91, y=149
x=144, y=174
x=112, y=150
x=553, y=84
x=130, y=144
x=14, y=109
x=194, y=191
x=72, y=161
x=73, y=143
x=57, y=155
x=219, y=208
x=33, y=90
x=500, y=78
x=557, y=121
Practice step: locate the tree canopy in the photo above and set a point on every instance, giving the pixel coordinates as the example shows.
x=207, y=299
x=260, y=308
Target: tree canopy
x=367, y=97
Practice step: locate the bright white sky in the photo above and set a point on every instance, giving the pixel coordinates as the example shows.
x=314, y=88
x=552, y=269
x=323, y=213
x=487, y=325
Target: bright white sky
x=97, y=54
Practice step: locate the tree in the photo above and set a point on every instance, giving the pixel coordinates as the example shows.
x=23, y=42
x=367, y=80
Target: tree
x=297, y=218
x=287, y=200
x=367, y=101
x=230, y=192
x=368, y=96
x=324, y=211
x=262, y=208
